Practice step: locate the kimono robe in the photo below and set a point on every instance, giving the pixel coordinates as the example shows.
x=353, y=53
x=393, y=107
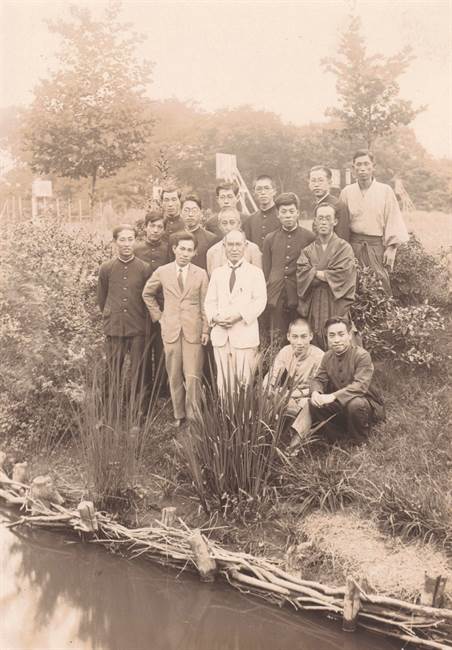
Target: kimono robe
x=319, y=300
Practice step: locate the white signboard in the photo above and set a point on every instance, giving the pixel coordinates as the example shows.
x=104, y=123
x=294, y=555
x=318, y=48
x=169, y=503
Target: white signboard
x=226, y=166
x=336, y=177
x=41, y=189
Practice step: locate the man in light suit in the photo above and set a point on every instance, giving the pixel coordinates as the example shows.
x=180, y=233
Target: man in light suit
x=183, y=322
x=236, y=296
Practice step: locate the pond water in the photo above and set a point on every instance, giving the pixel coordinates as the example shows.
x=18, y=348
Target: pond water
x=56, y=594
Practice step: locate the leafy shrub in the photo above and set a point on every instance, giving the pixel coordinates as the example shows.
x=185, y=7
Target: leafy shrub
x=417, y=276
x=49, y=327
x=408, y=334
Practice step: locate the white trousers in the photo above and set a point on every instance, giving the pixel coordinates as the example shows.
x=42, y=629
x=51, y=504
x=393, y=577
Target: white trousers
x=233, y=364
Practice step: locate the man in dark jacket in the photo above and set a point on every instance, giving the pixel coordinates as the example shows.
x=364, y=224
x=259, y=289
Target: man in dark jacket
x=282, y=248
x=320, y=179
x=119, y=295
x=265, y=220
x=343, y=389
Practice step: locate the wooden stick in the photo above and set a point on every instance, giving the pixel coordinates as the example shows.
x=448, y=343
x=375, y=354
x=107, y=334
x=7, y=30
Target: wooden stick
x=352, y=603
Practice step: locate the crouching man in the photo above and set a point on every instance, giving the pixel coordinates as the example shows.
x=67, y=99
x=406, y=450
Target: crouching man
x=295, y=366
x=343, y=390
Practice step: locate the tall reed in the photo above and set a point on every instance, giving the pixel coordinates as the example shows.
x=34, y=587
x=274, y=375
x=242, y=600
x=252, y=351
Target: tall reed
x=114, y=426
x=231, y=449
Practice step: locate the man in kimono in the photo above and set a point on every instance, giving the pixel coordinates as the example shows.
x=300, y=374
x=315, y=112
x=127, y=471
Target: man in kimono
x=320, y=181
x=376, y=223
x=326, y=275
x=295, y=365
x=344, y=394
x=229, y=219
x=282, y=248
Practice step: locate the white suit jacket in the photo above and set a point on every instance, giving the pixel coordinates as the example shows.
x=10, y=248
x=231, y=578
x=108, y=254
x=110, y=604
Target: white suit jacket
x=248, y=297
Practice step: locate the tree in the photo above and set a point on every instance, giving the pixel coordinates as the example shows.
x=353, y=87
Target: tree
x=368, y=88
x=91, y=117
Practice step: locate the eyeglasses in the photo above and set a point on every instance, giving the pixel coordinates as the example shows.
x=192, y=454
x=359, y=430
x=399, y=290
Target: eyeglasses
x=263, y=188
x=190, y=210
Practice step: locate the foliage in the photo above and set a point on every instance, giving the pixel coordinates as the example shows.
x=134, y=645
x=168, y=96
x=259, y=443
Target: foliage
x=368, y=88
x=406, y=334
x=232, y=448
x=418, y=276
x=90, y=118
x=320, y=481
x=113, y=431
x=49, y=327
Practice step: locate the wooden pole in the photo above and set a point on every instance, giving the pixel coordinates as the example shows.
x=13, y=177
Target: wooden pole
x=58, y=207
x=352, y=603
x=80, y=209
x=20, y=206
x=69, y=212
x=206, y=566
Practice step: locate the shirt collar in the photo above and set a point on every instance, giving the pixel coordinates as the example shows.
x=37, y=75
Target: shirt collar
x=285, y=229
x=235, y=266
x=181, y=268
x=323, y=198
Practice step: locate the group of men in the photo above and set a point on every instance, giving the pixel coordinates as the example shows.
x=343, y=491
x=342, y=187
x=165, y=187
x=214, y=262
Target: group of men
x=190, y=285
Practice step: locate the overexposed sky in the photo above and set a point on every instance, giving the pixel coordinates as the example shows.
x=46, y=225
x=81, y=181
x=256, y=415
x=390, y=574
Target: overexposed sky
x=265, y=53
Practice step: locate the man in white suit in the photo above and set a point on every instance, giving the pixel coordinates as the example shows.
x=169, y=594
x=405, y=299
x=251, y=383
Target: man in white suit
x=236, y=296
x=183, y=322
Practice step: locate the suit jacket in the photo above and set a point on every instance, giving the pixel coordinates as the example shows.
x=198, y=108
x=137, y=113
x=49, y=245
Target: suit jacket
x=183, y=311
x=248, y=297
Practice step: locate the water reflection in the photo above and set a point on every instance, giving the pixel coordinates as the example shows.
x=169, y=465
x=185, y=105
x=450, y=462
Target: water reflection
x=55, y=594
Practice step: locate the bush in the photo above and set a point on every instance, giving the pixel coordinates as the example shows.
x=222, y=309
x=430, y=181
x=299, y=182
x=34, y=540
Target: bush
x=49, y=327
x=406, y=333
x=417, y=276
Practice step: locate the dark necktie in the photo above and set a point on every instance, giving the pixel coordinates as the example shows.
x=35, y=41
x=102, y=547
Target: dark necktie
x=180, y=280
x=232, y=276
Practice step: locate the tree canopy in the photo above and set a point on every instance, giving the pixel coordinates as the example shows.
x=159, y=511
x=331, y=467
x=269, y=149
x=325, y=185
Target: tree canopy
x=368, y=88
x=91, y=117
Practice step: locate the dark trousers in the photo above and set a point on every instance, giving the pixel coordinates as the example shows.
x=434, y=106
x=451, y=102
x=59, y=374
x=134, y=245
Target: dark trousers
x=351, y=422
x=155, y=375
x=282, y=315
x=116, y=349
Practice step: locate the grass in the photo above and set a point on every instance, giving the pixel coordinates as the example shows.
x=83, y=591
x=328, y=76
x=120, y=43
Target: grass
x=400, y=476
x=114, y=428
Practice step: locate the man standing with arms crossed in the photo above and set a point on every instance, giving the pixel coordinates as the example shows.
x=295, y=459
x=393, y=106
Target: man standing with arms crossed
x=183, y=322
x=376, y=223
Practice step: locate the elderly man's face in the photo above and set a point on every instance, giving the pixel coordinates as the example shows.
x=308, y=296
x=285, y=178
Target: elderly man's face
x=228, y=222
x=235, y=246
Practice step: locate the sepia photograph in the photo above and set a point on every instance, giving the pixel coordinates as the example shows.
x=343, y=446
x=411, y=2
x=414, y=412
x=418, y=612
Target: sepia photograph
x=226, y=324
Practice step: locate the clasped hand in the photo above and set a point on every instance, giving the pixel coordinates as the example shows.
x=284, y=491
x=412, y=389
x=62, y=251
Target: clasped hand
x=318, y=399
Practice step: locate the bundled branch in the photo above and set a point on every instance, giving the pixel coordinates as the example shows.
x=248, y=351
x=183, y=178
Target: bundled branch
x=171, y=542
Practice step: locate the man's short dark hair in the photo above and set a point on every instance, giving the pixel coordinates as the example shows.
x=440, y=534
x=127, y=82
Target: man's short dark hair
x=363, y=152
x=182, y=235
x=322, y=168
x=170, y=190
x=123, y=226
x=152, y=216
x=227, y=186
x=336, y=320
x=287, y=198
x=299, y=321
x=261, y=177
x=325, y=205
x=192, y=197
